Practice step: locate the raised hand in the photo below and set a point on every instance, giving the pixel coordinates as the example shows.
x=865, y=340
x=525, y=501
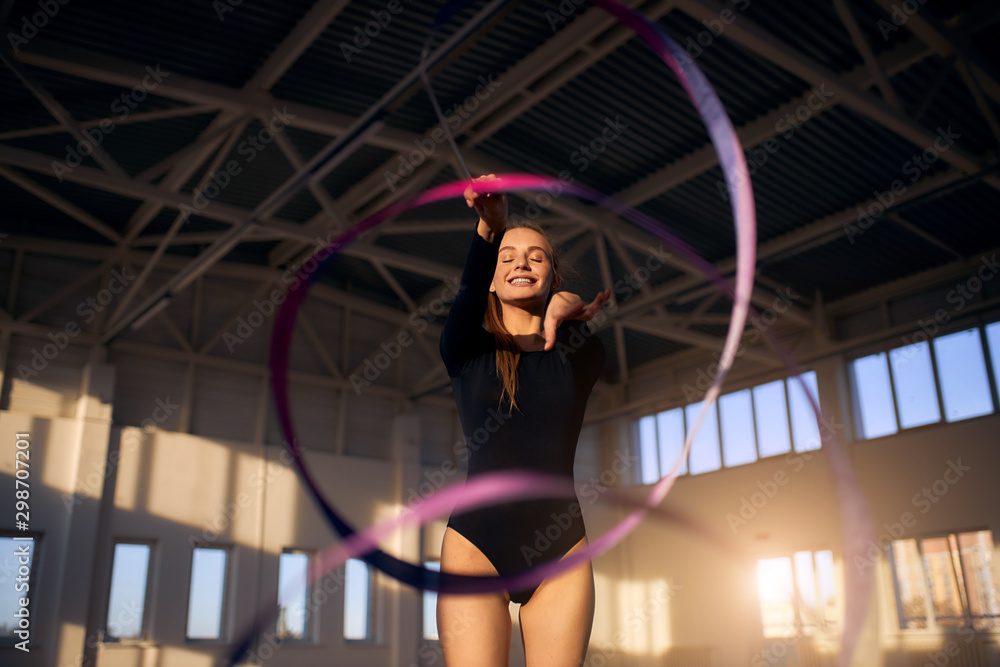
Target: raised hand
x=567, y=306
x=492, y=208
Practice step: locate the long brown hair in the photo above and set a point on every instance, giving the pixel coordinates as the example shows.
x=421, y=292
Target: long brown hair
x=508, y=353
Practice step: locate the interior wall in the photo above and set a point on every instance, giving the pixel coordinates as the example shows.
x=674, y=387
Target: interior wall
x=728, y=519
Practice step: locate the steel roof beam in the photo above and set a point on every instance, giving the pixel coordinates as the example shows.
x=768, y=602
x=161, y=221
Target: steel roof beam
x=751, y=36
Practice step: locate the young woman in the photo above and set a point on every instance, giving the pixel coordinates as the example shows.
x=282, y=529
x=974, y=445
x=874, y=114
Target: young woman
x=521, y=390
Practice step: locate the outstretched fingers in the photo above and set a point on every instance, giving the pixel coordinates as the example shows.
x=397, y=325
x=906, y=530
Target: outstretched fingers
x=588, y=311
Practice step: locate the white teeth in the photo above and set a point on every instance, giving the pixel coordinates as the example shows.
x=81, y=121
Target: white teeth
x=522, y=281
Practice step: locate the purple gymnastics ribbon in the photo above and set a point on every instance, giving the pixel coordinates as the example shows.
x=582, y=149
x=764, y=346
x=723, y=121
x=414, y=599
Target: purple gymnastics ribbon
x=734, y=166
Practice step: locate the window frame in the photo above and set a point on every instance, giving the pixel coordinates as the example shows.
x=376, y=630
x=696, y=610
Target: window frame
x=33, y=575
x=151, y=564
x=227, y=589
x=837, y=623
x=423, y=622
x=930, y=616
x=372, y=638
x=745, y=384
x=887, y=345
x=309, y=633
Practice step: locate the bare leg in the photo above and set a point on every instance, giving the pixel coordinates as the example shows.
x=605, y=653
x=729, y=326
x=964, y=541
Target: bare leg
x=557, y=620
x=475, y=630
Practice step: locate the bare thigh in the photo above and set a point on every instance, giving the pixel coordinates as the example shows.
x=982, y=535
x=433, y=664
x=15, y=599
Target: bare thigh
x=557, y=620
x=474, y=630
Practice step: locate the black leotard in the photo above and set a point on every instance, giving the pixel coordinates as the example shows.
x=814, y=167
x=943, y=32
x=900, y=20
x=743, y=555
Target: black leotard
x=552, y=392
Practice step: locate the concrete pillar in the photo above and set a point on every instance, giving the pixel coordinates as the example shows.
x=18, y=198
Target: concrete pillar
x=404, y=621
x=83, y=562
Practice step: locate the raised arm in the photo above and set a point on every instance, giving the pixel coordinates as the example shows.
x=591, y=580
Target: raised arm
x=463, y=333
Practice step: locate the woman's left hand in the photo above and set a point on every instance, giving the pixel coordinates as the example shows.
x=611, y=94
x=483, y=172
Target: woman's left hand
x=567, y=306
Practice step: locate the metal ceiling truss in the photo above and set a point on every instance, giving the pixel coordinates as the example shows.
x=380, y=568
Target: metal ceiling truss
x=554, y=63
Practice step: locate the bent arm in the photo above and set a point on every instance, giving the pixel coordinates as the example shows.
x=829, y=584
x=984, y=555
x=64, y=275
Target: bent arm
x=463, y=333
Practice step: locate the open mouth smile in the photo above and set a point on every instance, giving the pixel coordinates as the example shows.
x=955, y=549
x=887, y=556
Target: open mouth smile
x=522, y=281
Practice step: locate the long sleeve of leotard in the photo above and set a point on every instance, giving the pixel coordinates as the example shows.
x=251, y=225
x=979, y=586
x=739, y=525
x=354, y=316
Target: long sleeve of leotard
x=463, y=334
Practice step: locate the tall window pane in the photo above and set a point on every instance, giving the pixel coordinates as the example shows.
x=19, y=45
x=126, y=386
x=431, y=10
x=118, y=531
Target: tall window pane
x=127, y=600
x=771, y=411
x=13, y=555
x=357, y=600
x=430, y=605
x=670, y=433
x=805, y=582
x=207, y=594
x=916, y=393
x=648, y=458
x=739, y=445
x=962, y=369
x=705, y=455
x=805, y=428
x=993, y=336
x=911, y=595
x=942, y=581
x=774, y=585
x=874, y=392
x=293, y=593
x=827, y=588
x=976, y=551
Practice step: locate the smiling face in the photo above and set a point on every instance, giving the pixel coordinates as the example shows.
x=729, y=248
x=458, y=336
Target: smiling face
x=524, y=274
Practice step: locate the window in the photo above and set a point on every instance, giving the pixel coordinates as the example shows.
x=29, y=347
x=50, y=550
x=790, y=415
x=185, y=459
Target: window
x=16, y=552
x=962, y=367
x=736, y=416
x=797, y=594
x=293, y=595
x=430, y=606
x=670, y=434
x=358, y=606
x=129, y=588
x=917, y=384
x=913, y=375
x=805, y=429
x=705, y=455
x=771, y=412
x=946, y=581
x=206, y=599
x=993, y=336
x=767, y=420
x=874, y=391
